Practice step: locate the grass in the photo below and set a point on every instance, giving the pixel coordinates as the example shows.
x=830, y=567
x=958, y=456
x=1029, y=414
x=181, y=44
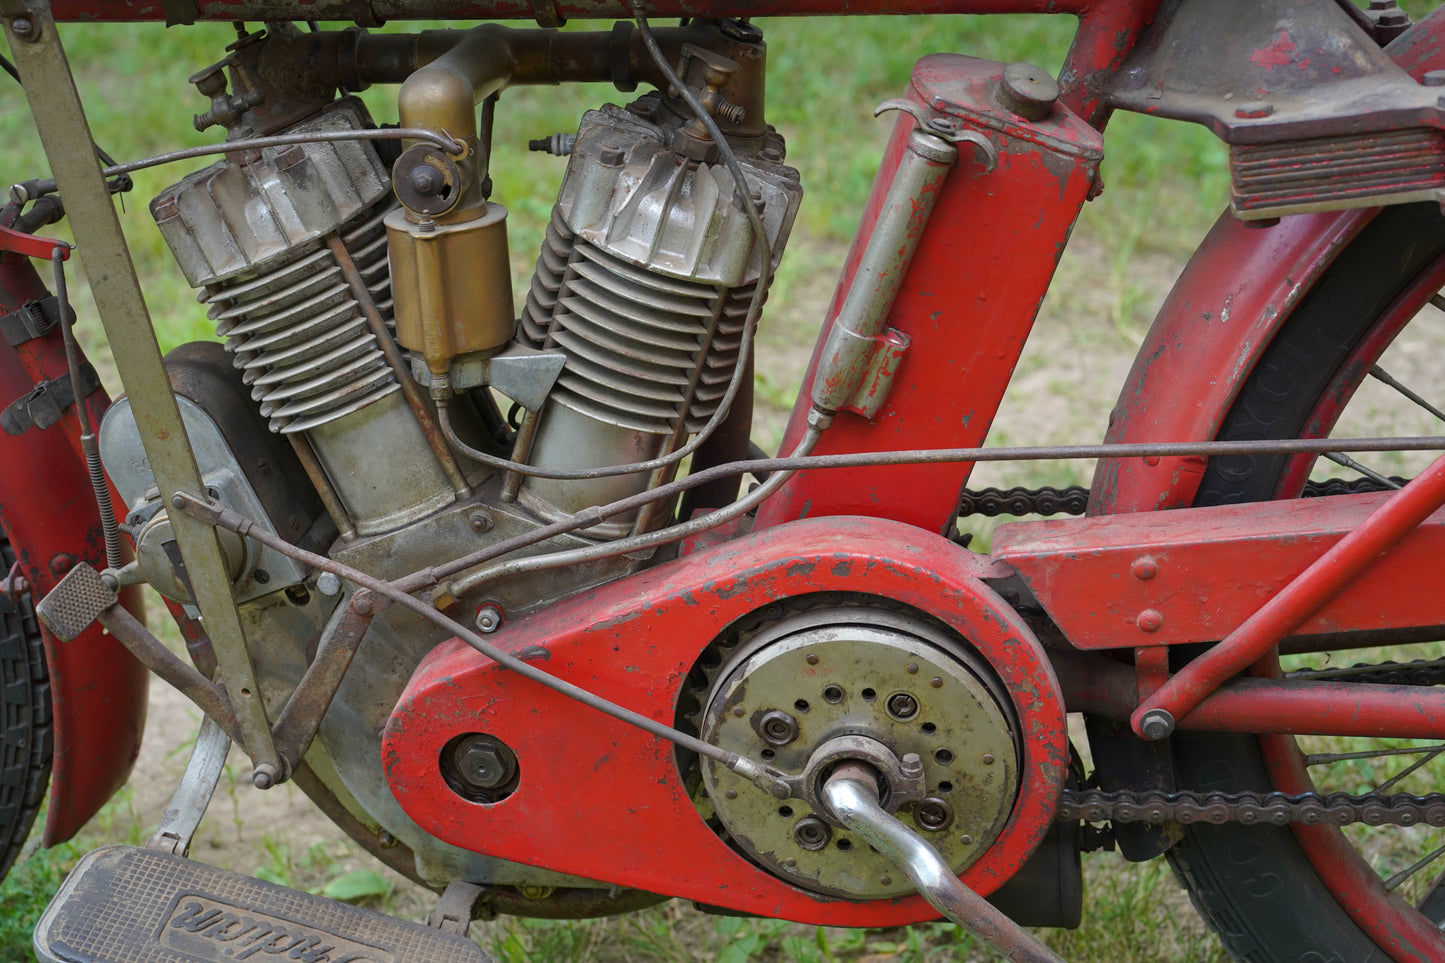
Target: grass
x=825, y=78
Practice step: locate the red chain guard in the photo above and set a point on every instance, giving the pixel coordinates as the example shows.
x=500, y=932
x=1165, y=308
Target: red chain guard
x=603, y=800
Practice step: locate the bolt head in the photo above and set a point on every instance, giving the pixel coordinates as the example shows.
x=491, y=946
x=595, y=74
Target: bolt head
x=426, y=180
x=812, y=833
x=489, y=619
x=901, y=705
x=1157, y=724
x=483, y=765
x=481, y=520
x=777, y=727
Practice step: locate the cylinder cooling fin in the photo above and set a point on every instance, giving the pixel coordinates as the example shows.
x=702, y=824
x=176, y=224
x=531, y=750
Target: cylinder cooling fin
x=252, y=237
x=299, y=336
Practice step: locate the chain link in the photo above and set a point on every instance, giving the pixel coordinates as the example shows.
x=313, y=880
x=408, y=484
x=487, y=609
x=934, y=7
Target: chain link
x=1250, y=808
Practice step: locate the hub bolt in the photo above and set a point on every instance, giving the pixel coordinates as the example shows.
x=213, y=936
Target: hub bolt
x=901, y=705
x=484, y=763
x=777, y=727
x=812, y=833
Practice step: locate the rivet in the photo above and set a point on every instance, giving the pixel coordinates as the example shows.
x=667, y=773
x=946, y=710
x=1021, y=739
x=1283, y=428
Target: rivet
x=936, y=682
x=739, y=711
x=988, y=759
x=912, y=668
x=811, y=658
x=1151, y=460
x=966, y=839
x=885, y=880
x=790, y=862
x=1254, y=110
x=1144, y=568
x=730, y=794
x=1149, y=621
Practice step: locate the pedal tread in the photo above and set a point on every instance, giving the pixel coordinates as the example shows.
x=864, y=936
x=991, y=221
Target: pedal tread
x=126, y=904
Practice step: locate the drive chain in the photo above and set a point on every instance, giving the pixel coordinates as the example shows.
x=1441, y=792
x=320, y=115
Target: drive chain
x=1272, y=808
x=1074, y=499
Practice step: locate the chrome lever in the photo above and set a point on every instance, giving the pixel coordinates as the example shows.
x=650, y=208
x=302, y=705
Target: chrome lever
x=851, y=793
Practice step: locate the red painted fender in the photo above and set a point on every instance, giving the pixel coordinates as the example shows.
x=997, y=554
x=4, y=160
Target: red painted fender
x=47, y=510
x=1225, y=308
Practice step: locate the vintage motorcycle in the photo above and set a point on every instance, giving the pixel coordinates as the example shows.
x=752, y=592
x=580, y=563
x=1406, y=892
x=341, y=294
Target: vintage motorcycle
x=485, y=586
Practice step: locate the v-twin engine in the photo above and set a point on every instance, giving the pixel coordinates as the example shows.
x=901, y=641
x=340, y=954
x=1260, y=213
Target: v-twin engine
x=376, y=398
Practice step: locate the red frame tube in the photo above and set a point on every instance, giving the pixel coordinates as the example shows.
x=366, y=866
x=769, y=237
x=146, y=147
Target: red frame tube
x=1300, y=599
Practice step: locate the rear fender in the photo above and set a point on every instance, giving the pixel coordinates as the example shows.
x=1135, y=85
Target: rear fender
x=1232, y=298
x=49, y=515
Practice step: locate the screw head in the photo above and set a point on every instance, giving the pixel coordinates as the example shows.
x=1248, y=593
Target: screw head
x=812, y=833
x=777, y=727
x=933, y=814
x=901, y=705
x=23, y=27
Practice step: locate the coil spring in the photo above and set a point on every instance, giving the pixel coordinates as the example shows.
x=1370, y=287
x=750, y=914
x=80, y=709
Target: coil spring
x=643, y=349
x=299, y=336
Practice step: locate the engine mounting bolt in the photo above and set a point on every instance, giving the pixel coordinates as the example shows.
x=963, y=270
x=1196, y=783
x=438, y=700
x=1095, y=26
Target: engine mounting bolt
x=901, y=705
x=812, y=833
x=1144, y=568
x=265, y=775
x=327, y=583
x=777, y=727
x=481, y=520
x=483, y=764
x=933, y=814
x=489, y=619
x=1149, y=620
x=1157, y=724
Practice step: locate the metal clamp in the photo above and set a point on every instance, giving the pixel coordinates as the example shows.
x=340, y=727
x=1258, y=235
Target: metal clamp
x=943, y=128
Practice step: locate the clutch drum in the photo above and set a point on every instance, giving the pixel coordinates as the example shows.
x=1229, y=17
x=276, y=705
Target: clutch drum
x=830, y=685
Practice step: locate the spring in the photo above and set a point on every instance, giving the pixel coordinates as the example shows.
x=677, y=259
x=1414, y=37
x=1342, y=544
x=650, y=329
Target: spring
x=300, y=338
x=643, y=349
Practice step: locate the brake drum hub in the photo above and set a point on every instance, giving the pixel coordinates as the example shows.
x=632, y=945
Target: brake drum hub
x=859, y=683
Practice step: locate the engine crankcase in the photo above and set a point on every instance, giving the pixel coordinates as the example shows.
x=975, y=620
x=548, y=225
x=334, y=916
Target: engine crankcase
x=590, y=796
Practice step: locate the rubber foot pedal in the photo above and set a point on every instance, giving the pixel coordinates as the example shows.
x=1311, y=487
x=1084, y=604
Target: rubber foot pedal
x=125, y=904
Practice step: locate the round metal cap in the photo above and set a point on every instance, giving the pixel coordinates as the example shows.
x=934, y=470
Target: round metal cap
x=1028, y=91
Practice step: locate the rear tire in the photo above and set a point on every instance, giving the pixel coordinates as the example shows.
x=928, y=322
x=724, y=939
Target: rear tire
x=1255, y=885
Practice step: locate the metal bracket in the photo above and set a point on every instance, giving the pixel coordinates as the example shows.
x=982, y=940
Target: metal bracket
x=46, y=402
x=943, y=128
x=33, y=319
x=193, y=795
x=457, y=908
x=523, y=374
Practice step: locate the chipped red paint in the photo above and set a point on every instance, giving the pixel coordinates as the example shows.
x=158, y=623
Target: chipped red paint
x=97, y=688
x=634, y=642
x=1279, y=52
x=966, y=303
x=1205, y=570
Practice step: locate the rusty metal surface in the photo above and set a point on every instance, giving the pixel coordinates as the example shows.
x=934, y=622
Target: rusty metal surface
x=661, y=619
x=55, y=105
x=97, y=688
x=1203, y=571
x=971, y=296
x=1286, y=610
